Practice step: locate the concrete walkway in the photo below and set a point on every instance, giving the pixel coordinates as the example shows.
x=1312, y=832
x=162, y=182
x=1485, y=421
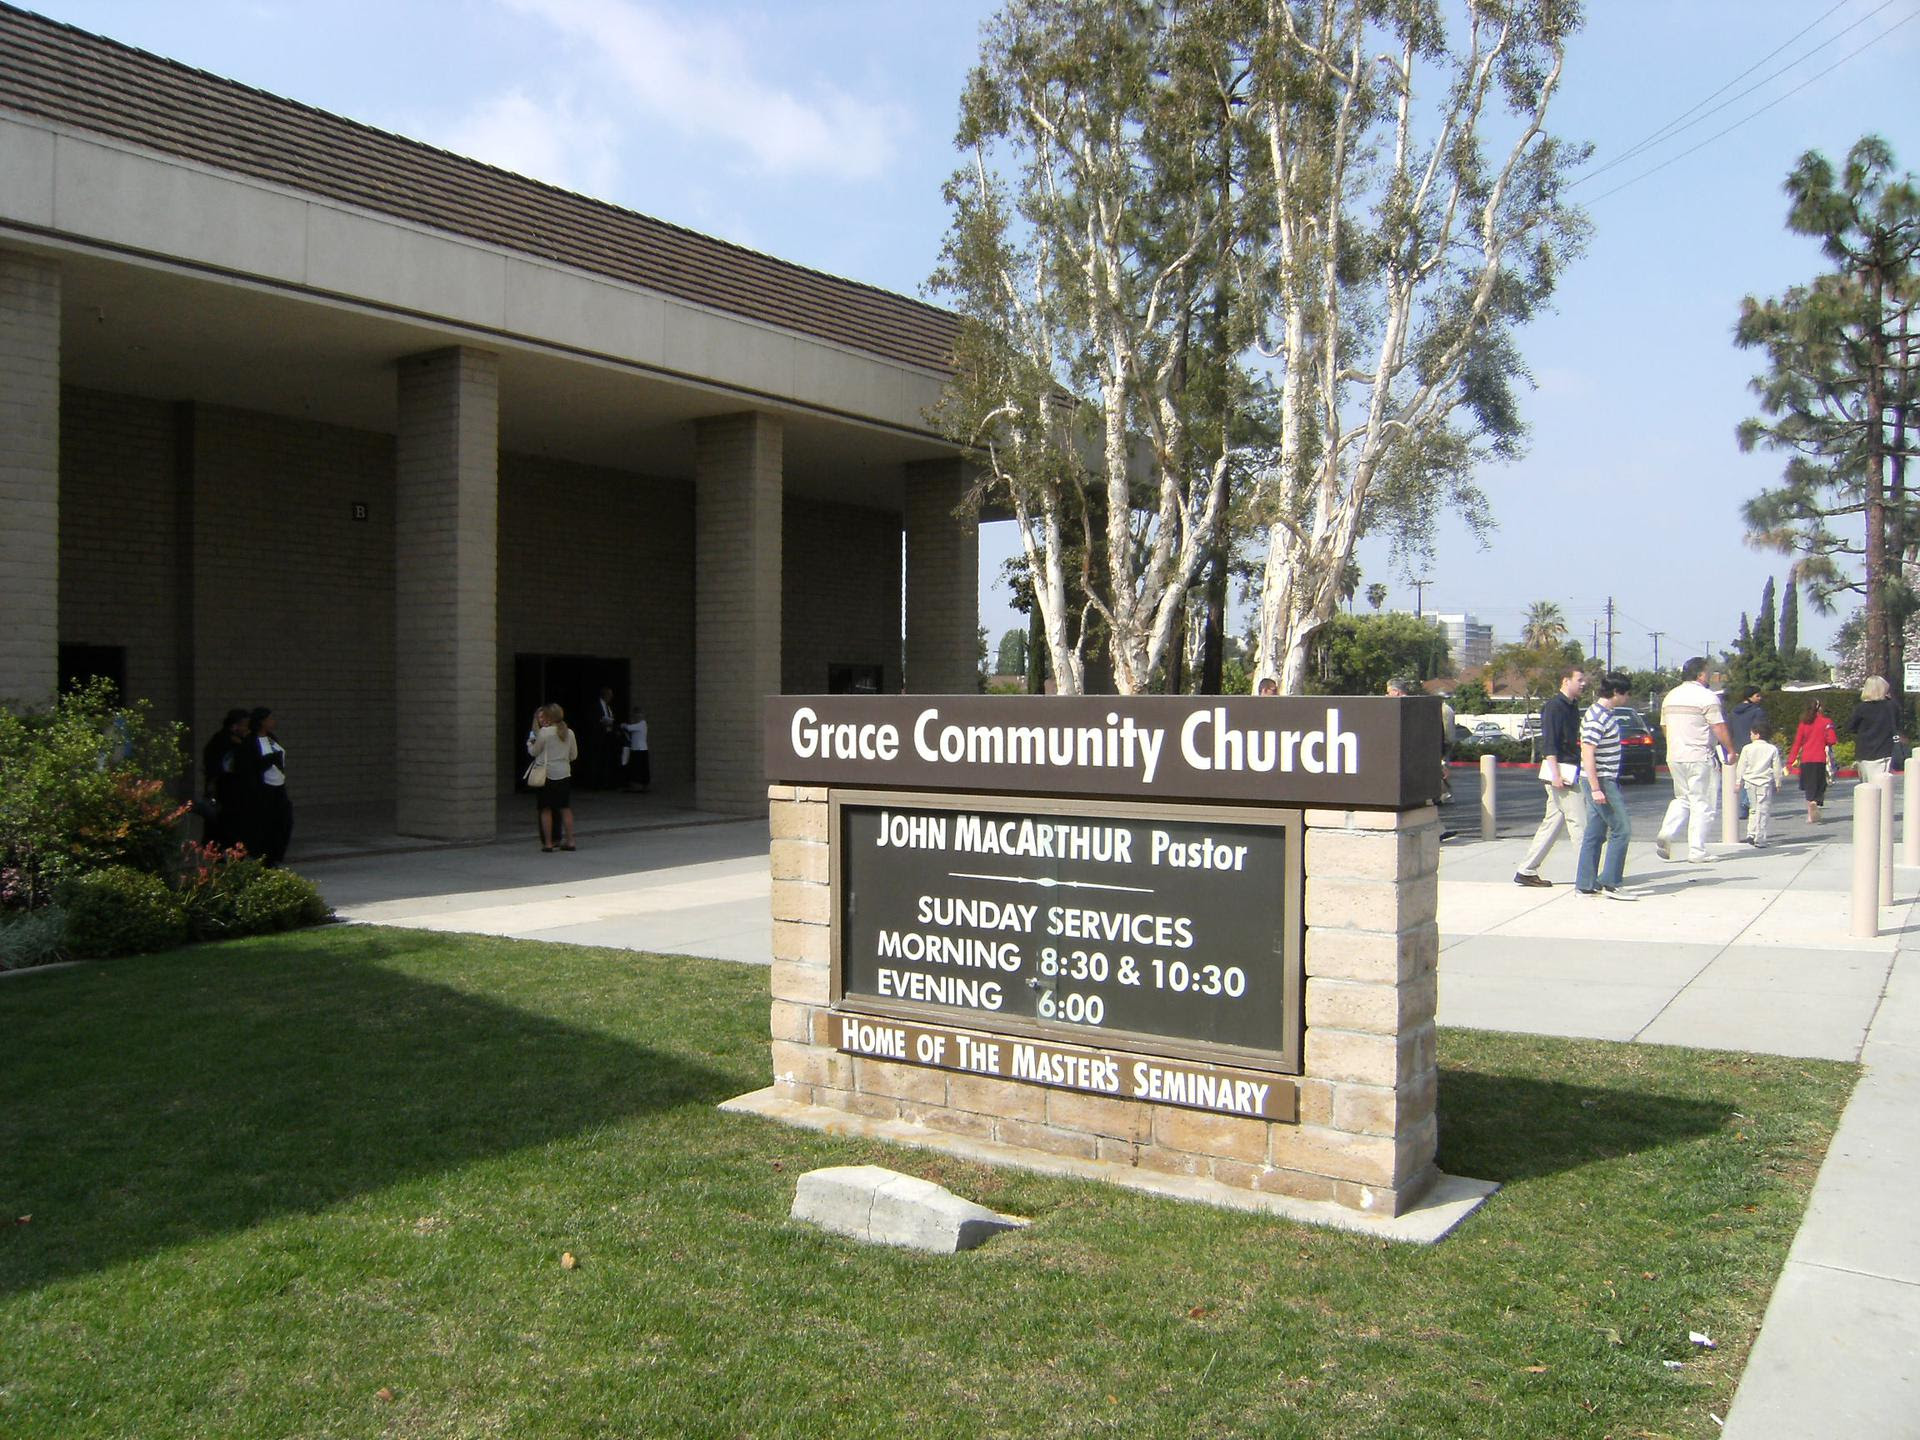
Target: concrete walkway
x=1749, y=953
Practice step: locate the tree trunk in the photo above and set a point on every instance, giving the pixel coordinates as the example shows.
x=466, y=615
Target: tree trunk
x=1900, y=535
x=1878, y=648
x=1214, y=652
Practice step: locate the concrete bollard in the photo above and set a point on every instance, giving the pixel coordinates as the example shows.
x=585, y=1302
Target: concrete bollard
x=1866, y=863
x=1489, y=797
x=1885, y=786
x=1729, y=805
x=1910, y=818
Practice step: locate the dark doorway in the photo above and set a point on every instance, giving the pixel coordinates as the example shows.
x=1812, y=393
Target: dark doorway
x=81, y=663
x=573, y=683
x=844, y=679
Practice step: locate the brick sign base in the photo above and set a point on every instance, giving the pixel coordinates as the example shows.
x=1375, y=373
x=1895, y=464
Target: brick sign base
x=1362, y=1134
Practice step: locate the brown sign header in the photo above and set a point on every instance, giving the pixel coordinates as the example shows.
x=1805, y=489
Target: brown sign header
x=1117, y=1073
x=1333, y=750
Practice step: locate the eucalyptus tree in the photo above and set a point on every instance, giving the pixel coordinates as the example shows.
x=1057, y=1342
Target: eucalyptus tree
x=1835, y=396
x=1407, y=196
x=1088, y=255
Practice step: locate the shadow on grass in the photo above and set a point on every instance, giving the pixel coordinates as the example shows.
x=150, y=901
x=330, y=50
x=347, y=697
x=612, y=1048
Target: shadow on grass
x=1509, y=1128
x=162, y=1100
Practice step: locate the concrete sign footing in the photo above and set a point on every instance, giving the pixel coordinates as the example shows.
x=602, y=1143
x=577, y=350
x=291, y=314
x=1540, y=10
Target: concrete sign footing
x=1450, y=1200
x=883, y=1207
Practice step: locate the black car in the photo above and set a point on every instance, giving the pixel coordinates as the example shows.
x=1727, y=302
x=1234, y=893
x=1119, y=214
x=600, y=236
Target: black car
x=1636, y=746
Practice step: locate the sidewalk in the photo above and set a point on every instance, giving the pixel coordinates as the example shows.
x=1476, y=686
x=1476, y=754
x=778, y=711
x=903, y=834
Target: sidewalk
x=1749, y=953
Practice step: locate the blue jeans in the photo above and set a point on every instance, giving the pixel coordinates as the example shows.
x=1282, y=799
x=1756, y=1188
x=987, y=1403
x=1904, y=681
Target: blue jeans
x=1607, y=823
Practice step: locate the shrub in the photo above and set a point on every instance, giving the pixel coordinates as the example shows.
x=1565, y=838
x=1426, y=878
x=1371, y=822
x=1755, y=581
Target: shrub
x=211, y=882
x=32, y=937
x=82, y=787
x=276, y=900
x=121, y=911
x=1840, y=758
x=1506, y=751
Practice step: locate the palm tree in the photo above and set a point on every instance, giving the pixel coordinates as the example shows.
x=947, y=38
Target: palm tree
x=1376, y=595
x=1546, y=625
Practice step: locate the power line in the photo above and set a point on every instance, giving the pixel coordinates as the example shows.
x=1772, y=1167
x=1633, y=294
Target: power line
x=1674, y=126
x=1757, y=113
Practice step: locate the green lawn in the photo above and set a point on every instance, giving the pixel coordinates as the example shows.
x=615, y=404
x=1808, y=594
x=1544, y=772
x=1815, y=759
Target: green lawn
x=321, y=1185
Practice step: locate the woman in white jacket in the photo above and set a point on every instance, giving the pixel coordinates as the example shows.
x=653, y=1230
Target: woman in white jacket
x=552, y=744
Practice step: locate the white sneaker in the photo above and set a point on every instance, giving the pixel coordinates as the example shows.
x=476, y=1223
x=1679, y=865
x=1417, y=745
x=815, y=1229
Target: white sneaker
x=1703, y=858
x=1613, y=894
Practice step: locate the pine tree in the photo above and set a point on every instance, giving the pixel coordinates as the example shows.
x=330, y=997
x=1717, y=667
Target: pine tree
x=1790, y=619
x=1762, y=647
x=1837, y=387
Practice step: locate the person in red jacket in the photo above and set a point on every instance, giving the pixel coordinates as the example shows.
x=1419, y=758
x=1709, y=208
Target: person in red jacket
x=1811, y=744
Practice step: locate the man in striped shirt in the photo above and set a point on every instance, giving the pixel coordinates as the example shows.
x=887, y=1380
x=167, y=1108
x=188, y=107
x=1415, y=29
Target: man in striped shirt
x=1606, y=808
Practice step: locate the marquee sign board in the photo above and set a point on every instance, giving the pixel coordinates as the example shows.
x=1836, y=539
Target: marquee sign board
x=1003, y=907
x=1170, y=931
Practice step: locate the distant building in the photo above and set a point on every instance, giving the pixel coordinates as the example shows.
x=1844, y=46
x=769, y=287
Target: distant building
x=1469, y=643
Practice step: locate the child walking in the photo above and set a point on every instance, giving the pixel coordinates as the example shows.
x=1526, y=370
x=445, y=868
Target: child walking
x=1761, y=776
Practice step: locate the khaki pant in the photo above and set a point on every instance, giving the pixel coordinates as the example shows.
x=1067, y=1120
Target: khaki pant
x=1566, y=810
x=1696, y=791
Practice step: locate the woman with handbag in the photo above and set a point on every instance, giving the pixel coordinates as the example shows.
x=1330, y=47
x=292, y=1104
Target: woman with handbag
x=1812, y=742
x=554, y=749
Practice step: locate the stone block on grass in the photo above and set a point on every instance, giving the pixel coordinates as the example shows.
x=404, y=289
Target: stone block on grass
x=883, y=1207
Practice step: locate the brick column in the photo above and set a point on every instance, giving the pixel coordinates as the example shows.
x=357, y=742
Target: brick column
x=1372, y=963
x=29, y=478
x=738, y=483
x=446, y=514
x=943, y=581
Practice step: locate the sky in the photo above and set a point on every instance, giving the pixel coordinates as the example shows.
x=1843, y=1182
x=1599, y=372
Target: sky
x=822, y=132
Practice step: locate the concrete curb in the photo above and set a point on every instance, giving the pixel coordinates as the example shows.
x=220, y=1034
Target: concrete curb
x=1451, y=1200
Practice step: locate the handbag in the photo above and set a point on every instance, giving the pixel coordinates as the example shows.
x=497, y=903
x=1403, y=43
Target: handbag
x=536, y=775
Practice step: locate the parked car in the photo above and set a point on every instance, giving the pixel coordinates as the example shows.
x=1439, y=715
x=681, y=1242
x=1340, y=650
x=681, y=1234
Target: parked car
x=1488, y=732
x=1636, y=745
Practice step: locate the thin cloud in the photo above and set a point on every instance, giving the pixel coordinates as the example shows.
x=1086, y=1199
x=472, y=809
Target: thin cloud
x=545, y=140
x=699, y=77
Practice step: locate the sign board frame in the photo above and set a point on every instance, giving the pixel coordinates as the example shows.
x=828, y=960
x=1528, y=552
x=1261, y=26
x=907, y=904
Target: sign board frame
x=1283, y=1058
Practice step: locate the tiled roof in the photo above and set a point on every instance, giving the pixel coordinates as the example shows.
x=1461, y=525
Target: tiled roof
x=93, y=84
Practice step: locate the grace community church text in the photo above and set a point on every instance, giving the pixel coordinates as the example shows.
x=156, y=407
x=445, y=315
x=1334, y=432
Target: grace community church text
x=1208, y=741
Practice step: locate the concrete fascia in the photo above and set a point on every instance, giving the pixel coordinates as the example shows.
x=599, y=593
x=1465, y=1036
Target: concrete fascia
x=60, y=185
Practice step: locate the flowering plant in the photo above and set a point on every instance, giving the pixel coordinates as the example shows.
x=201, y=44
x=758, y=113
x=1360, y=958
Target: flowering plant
x=82, y=788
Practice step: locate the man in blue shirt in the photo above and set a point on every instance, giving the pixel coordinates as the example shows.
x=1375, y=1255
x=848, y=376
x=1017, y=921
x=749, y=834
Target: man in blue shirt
x=1559, y=775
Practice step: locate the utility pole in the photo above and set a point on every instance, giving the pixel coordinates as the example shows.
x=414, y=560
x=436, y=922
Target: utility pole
x=1609, y=632
x=1656, y=649
x=1419, y=594
x=1594, y=649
